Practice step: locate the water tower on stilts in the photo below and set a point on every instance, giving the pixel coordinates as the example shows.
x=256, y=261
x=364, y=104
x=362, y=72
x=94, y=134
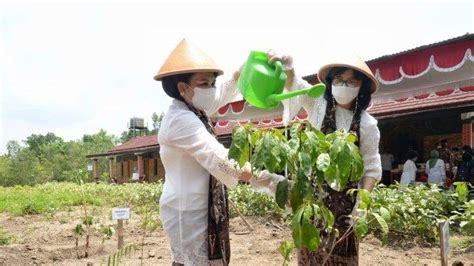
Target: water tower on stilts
x=137, y=126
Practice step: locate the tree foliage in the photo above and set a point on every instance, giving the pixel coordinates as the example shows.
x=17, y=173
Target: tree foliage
x=48, y=157
x=42, y=158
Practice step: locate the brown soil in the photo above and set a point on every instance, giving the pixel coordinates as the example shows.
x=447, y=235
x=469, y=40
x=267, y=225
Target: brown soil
x=50, y=240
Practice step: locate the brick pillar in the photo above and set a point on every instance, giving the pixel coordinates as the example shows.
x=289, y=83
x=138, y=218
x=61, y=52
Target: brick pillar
x=160, y=170
x=467, y=133
x=111, y=168
x=151, y=170
x=140, y=166
x=119, y=172
x=95, y=167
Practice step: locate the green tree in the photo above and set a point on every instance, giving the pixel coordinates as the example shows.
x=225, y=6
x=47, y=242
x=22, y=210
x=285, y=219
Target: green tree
x=156, y=122
x=48, y=157
x=36, y=143
x=13, y=148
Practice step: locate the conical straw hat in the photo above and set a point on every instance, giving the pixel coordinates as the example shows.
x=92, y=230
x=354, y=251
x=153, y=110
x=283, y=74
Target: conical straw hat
x=354, y=62
x=187, y=58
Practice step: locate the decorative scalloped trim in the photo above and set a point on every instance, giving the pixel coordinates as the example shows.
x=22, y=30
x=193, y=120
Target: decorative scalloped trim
x=431, y=65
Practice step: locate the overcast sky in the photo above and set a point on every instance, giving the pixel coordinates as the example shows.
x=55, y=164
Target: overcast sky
x=73, y=69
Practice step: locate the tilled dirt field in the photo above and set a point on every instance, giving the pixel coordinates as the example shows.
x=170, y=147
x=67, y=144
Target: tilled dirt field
x=50, y=241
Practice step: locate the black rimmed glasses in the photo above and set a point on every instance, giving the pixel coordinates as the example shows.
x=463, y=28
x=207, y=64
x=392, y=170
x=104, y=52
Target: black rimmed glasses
x=351, y=82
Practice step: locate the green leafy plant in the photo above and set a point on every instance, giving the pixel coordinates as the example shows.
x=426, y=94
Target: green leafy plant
x=285, y=249
x=107, y=231
x=78, y=232
x=87, y=219
x=149, y=223
x=5, y=238
x=30, y=208
x=313, y=160
x=414, y=212
x=373, y=215
x=464, y=215
x=251, y=203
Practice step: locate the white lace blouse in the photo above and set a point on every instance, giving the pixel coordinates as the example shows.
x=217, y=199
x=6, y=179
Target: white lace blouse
x=190, y=153
x=316, y=109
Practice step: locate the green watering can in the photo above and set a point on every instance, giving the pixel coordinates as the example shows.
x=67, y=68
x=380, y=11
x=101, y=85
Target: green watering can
x=262, y=84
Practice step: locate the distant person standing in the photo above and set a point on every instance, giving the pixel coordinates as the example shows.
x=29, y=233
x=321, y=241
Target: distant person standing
x=457, y=156
x=465, y=171
x=409, y=169
x=435, y=169
x=387, y=165
x=445, y=153
x=466, y=148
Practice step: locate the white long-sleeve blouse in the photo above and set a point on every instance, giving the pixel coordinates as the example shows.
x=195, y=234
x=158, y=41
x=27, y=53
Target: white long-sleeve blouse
x=316, y=109
x=190, y=154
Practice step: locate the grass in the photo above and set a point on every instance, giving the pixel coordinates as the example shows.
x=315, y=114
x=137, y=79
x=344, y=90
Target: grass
x=461, y=242
x=51, y=197
x=5, y=238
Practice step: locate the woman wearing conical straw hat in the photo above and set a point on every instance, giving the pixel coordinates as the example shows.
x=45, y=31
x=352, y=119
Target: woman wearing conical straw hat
x=193, y=206
x=349, y=87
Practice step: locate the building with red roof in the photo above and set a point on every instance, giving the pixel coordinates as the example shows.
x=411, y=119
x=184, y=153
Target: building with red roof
x=135, y=160
x=426, y=95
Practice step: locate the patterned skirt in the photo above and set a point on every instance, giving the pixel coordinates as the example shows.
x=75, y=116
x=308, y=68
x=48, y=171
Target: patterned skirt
x=346, y=252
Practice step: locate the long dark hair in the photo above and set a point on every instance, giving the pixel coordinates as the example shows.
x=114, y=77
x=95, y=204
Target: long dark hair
x=363, y=98
x=360, y=104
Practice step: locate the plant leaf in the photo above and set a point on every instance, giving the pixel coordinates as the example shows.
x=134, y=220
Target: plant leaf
x=281, y=195
x=311, y=236
x=361, y=227
x=323, y=162
x=383, y=224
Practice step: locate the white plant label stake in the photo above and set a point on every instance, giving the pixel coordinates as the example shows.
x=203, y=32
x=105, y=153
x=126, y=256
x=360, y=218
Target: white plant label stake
x=120, y=214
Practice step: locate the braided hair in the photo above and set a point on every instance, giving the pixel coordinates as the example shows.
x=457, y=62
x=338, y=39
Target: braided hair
x=360, y=104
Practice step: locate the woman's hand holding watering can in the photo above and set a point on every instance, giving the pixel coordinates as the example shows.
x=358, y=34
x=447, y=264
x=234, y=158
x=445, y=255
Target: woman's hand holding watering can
x=236, y=74
x=287, y=63
x=285, y=59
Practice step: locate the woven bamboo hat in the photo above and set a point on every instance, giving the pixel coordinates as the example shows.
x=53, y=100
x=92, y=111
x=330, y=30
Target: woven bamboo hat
x=187, y=58
x=354, y=62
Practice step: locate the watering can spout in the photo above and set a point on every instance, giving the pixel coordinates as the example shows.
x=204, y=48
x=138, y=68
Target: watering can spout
x=315, y=91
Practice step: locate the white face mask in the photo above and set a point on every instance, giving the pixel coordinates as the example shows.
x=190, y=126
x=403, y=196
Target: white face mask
x=204, y=99
x=344, y=94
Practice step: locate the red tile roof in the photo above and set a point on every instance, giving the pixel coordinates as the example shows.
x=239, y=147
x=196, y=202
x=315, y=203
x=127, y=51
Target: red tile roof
x=465, y=37
x=426, y=102
x=136, y=144
x=445, y=54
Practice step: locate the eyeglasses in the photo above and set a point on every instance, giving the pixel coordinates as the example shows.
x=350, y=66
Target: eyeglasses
x=351, y=82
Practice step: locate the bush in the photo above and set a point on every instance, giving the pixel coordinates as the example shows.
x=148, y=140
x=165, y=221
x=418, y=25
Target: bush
x=416, y=211
x=252, y=203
